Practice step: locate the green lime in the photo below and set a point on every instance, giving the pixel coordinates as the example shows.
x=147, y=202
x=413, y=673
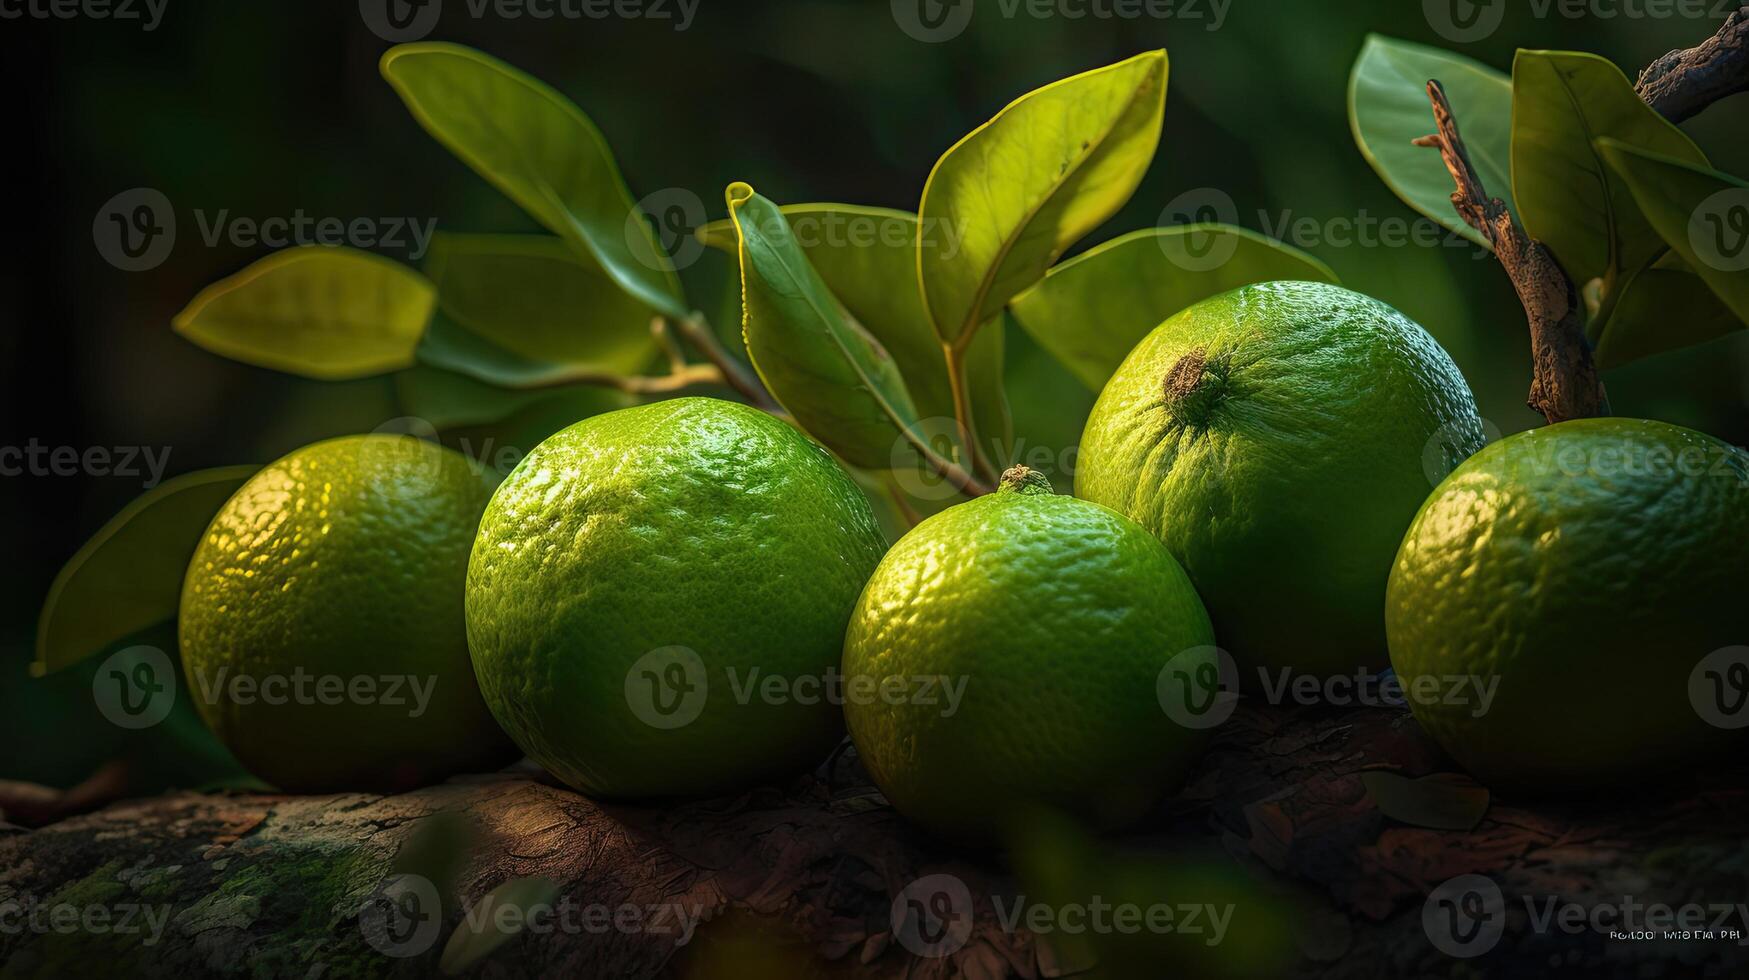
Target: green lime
x=1008, y=652
x=1569, y=606
x=658, y=595
x=1278, y=439
x=321, y=623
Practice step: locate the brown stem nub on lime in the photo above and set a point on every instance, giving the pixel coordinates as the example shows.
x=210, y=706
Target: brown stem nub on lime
x=1194, y=386
x=1025, y=479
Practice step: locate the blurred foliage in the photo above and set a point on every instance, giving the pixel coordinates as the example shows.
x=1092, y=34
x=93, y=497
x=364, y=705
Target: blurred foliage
x=264, y=110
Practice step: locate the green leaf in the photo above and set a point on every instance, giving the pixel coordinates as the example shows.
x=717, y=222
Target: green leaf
x=1568, y=197
x=531, y=296
x=542, y=152
x=128, y=577
x=1091, y=310
x=1703, y=216
x=867, y=257
x=330, y=313
x=449, y=400
x=486, y=926
x=1442, y=801
x=453, y=347
x=1003, y=203
x=825, y=369
x=1388, y=108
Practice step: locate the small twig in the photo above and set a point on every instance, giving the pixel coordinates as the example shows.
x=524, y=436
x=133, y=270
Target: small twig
x=665, y=339
x=679, y=379
x=962, y=413
x=1684, y=81
x=1564, y=384
x=735, y=374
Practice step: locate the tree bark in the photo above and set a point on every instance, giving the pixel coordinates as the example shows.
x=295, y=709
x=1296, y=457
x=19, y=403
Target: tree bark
x=800, y=880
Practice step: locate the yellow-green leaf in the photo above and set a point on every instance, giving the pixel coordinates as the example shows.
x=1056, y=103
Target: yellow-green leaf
x=542, y=152
x=1004, y=202
x=128, y=577
x=825, y=369
x=867, y=259
x=1091, y=310
x=1568, y=197
x=330, y=313
x=1388, y=107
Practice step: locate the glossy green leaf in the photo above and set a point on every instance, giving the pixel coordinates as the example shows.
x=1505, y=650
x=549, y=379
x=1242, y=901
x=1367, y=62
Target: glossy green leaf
x=1091, y=310
x=823, y=367
x=128, y=577
x=542, y=152
x=1703, y=216
x=496, y=919
x=453, y=347
x=1388, y=108
x=531, y=296
x=867, y=258
x=329, y=313
x=1004, y=202
x=1568, y=197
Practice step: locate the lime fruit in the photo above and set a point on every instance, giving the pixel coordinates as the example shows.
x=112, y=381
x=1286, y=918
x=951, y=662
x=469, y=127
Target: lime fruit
x=321, y=618
x=658, y=595
x=1008, y=652
x=1274, y=438
x=1564, y=607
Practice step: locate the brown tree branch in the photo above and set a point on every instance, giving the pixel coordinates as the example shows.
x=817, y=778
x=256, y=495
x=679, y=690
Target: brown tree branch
x=1684, y=81
x=1564, y=383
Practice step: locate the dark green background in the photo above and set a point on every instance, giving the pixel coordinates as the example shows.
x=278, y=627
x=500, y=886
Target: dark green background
x=264, y=108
